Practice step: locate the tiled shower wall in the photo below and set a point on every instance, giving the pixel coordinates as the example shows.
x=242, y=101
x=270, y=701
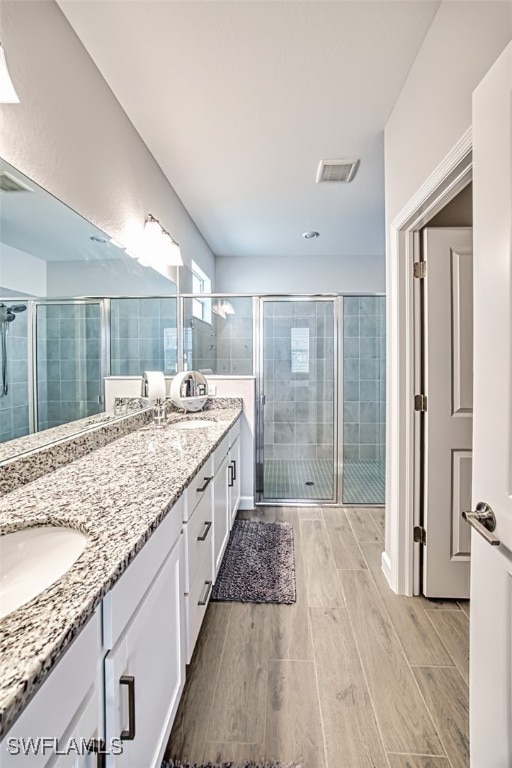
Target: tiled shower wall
x=224, y=345
x=143, y=336
x=298, y=414
x=14, y=405
x=68, y=362
x=364, y=378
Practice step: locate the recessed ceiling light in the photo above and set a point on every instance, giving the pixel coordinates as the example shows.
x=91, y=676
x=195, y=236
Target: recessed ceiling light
x=310, y=235
x=98, y=239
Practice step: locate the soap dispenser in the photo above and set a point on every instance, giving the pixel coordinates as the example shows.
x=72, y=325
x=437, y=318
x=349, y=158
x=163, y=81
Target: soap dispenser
x=159, y=413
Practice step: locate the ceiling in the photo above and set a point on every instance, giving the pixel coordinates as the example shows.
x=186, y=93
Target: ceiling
x=239, y=101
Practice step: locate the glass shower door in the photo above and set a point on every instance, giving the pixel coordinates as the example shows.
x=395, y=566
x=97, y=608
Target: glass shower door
x=68, y=358
x=298, y=402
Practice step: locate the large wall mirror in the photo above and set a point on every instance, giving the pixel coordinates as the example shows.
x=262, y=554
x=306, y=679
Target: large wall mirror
x=74, y=308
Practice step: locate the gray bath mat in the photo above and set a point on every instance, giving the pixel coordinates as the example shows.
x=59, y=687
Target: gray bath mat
x=250, y=764
x=259, y=564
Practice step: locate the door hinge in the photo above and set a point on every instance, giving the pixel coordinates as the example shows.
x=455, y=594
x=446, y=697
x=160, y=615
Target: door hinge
x=420, y=269
x=420, y=403
x=420, y=534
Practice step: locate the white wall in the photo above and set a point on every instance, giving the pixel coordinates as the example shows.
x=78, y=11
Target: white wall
x=71, y=136
x=22, y=273
x=301, y=274
x=434, y=107
x=113, y=277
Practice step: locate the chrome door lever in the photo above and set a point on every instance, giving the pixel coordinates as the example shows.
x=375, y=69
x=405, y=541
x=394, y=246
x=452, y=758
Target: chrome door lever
x=483, y=520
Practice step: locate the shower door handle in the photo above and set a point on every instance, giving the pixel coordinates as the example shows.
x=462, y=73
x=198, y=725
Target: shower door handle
x=263, y=399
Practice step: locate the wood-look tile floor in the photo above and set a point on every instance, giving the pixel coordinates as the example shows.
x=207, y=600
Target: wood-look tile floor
x=350, y=676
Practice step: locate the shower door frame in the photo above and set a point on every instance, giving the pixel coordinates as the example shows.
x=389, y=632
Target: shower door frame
x=337, y=461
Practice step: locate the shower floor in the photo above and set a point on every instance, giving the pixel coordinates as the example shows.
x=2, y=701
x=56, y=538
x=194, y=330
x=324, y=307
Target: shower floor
x=288, y=478
x=363, y=482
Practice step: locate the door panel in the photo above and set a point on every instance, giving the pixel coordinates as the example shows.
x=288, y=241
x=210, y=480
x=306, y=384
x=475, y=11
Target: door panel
x=491, y=566
x=298, y=385
x=448, y=377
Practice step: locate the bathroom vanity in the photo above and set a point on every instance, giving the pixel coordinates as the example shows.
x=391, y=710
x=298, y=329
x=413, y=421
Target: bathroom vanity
x=95, y=664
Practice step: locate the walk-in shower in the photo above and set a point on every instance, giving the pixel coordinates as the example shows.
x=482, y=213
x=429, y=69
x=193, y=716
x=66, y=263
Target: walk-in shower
x=7, y=315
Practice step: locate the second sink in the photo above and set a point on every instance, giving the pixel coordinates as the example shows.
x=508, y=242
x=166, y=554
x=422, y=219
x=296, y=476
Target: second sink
x=194, y=424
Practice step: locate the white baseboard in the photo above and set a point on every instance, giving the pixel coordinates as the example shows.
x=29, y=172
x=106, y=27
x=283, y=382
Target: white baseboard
x=246, y=502
x=386, y=568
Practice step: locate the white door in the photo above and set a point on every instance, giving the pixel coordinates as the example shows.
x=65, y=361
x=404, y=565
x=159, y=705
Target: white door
x=143, y=674
x=448, y=420
x=491, y=566
x=220, y=514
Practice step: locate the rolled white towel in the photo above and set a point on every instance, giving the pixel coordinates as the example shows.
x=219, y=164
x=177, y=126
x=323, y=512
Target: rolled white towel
x=153, y=385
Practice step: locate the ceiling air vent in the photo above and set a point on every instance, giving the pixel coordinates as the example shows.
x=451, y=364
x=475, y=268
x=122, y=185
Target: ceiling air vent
x=336, y=170
x=9, y=183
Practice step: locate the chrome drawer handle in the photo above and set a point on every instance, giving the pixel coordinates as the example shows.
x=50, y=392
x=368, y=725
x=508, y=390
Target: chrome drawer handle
x=483, y=520
x=204, y=599
x=205, y=484
x=204, y=534
x=129, y=733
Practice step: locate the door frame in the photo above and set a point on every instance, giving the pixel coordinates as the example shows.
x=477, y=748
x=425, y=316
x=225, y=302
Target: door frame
x=335, y=299
x=401, y=558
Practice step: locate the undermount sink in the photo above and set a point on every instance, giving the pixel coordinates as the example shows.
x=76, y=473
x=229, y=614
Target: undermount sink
x=32, y=559
x=195, y=424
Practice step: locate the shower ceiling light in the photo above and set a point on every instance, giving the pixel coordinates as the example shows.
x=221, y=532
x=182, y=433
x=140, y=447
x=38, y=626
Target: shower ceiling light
x=7, y=93
x=310, y=235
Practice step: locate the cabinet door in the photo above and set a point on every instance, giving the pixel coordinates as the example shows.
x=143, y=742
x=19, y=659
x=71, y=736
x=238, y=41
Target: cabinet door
x=220, y=514
x=234, y=480
x=143, y=673
x=56, y=727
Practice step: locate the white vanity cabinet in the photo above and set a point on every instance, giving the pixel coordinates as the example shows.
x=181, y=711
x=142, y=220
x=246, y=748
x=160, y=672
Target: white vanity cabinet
x=144, y=666
x=221, y=516
x=59, y=725
x=198, y=535
x=234, y=473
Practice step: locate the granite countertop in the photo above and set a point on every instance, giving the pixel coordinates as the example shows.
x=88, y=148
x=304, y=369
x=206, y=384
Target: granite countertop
x=117, y=495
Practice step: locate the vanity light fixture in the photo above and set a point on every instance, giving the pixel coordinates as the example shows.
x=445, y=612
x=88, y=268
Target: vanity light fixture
x=223, y=308
x=7, y=93
x=159, y=244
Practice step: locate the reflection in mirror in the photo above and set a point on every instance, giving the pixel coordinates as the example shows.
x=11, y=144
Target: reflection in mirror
x=143, y=336
x=218, y=334
x=54, y=354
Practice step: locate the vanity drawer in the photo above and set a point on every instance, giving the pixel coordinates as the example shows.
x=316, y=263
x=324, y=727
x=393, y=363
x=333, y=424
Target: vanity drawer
x=220, y=453
x=120, y=602
x=198, y=533
x=199, y=486
x=196, y=603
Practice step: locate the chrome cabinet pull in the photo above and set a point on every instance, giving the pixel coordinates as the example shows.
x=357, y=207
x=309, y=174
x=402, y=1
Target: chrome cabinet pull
x=205, y=484
x=98, y=747
x=234, y=469
x=483, y=520
x=204, y=599
x=207, y=526
x=129, y=681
